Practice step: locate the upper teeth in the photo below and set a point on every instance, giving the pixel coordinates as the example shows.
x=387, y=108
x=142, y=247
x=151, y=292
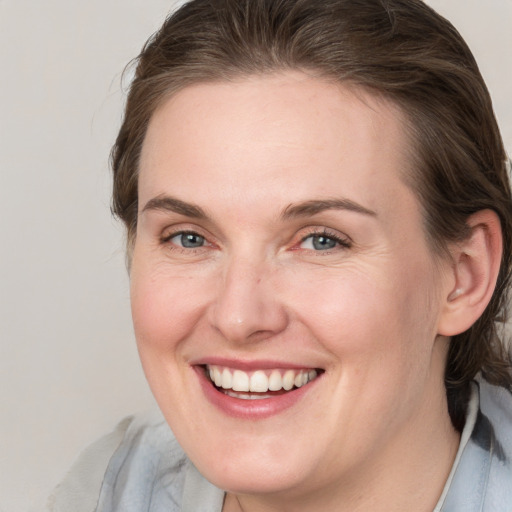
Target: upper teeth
x=259, y=381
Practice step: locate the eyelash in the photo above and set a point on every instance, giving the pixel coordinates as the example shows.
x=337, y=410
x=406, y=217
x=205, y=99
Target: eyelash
x=343, y=242
x=165, y=240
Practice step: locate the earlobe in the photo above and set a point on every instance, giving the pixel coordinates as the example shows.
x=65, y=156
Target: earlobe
x=476, y=264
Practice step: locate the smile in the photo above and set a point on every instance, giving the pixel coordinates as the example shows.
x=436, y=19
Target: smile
x=258, y=384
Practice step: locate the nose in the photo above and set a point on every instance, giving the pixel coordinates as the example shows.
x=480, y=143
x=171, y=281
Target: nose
x=246, y=308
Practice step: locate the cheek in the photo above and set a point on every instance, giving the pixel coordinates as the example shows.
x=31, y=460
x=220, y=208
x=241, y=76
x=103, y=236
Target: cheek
x=165, y=308
x=383, y=314
x=340, y=307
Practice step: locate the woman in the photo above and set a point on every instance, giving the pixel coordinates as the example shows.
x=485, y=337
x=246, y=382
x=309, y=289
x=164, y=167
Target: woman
x=319, y=232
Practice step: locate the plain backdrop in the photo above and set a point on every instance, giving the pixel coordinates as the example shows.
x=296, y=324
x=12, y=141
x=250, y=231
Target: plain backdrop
x=68, y=364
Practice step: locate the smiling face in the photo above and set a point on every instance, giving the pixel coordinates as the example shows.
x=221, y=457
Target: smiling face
x=279, y=252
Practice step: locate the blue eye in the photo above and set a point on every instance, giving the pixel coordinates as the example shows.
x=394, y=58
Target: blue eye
x=188, y=240
x=322, y=242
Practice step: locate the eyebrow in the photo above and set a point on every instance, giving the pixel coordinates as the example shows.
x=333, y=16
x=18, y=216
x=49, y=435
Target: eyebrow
x=171, y=204
x=303, y=209
x=314, y=207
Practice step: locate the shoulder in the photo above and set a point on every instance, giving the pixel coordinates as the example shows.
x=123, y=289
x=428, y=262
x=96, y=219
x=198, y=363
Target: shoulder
x=493, y=435
x=482, y=480
x=139, y=458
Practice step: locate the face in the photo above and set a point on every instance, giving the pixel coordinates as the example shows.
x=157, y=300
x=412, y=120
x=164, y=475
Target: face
x=280, y=254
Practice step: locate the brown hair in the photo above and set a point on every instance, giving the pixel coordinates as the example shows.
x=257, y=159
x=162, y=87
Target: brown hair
x=400, y=49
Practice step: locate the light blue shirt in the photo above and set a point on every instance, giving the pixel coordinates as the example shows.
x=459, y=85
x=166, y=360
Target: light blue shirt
x=140, y=467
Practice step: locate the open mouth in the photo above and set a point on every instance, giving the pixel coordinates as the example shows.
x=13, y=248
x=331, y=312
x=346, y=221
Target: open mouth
x=259, y=384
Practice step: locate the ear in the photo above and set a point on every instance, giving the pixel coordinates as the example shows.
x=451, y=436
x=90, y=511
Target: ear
x=475, y=266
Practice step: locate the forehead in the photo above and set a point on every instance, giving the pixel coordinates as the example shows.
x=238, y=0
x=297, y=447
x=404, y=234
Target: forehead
x=291, y=135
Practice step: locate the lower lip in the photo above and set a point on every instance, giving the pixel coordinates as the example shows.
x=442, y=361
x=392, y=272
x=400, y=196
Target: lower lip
x=251, y=409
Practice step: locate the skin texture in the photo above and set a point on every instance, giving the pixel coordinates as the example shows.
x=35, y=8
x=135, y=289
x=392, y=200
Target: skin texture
x=368, y=311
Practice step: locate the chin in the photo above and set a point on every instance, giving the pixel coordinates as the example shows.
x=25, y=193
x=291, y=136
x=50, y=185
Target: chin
x=248, y=478
x=252, y=464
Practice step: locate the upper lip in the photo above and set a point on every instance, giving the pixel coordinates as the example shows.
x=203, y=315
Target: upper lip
x=250, y=365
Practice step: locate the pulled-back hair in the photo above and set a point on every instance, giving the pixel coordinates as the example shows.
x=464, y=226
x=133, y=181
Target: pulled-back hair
x=399, y=49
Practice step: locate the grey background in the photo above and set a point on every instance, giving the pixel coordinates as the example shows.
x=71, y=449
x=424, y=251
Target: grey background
x=68, y=364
